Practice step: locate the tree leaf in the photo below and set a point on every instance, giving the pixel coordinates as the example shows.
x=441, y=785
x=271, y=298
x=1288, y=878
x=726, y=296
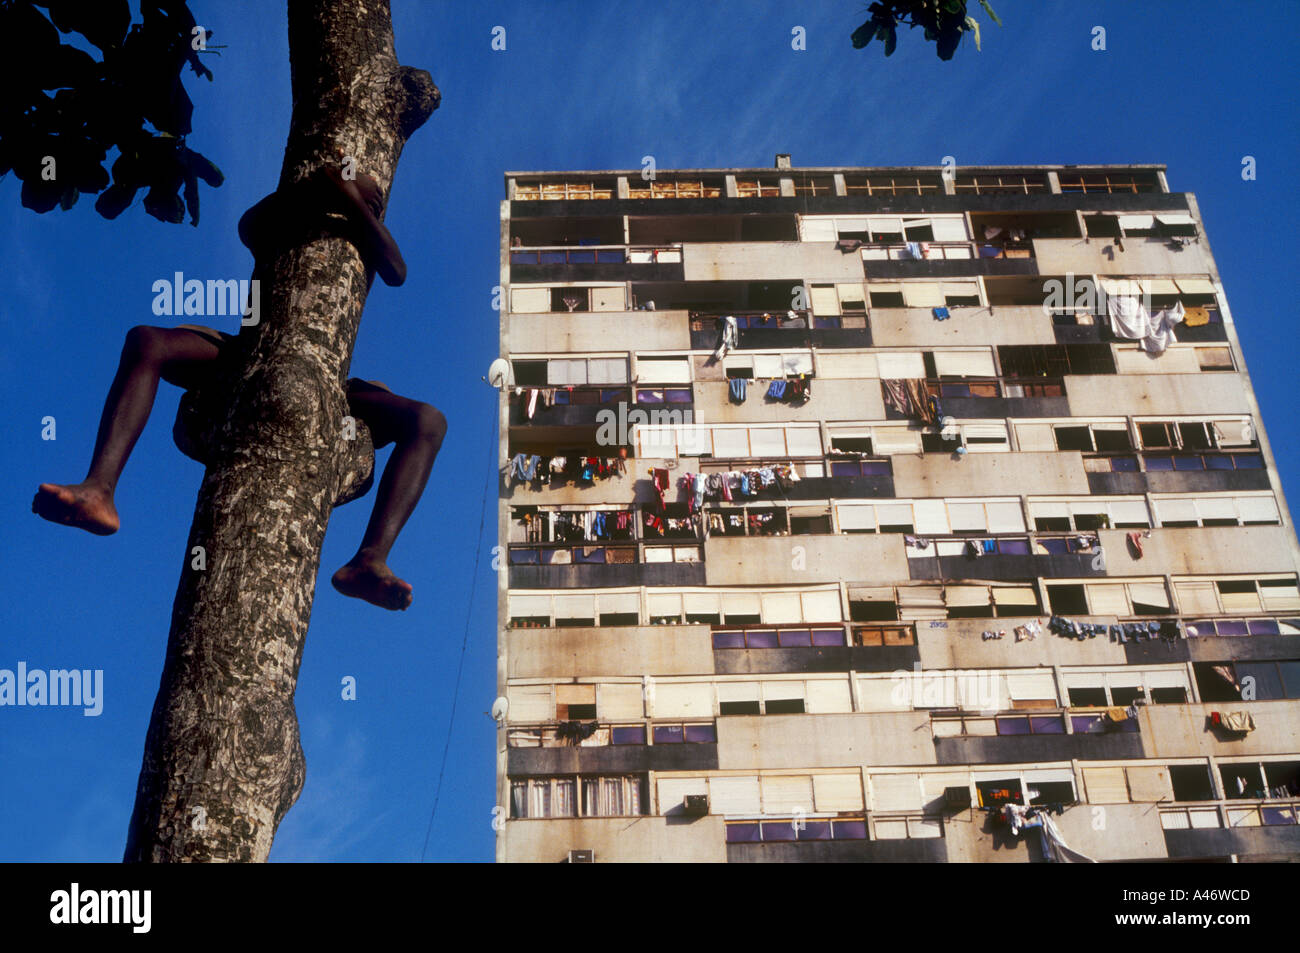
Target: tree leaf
x=974, y=27
x=863, y=35
x=947, y=43
x=989, y=10
x=891, y=41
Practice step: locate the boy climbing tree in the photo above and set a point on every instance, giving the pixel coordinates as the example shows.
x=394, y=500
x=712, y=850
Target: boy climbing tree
x=189, y=356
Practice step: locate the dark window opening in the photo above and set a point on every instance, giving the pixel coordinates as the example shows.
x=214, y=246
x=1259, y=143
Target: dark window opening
x=1168, y=696
x=570, y=299
x=1242, y=780
x=1112, y=440
x=1051, y=792
x=1191, y=782
x=873, y=611
x=1067, y=600
x=1074, y=438
x=1052, y=524
x=809, y=525
x=1156, y=435
x=1216, y=682
x=738, y=708
x=1087, y=697
x=1126, y=695
x=530, y=373
x=620, y=618
x=785, y=706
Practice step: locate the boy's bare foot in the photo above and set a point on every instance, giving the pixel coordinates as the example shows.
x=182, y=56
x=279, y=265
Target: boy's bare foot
x=87, y=506
x=371, y=579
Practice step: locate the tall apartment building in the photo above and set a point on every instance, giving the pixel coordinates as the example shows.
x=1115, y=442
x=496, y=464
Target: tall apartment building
x=873, y=513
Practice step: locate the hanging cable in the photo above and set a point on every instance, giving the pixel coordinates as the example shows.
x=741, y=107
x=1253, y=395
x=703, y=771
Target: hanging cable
x=469, y=614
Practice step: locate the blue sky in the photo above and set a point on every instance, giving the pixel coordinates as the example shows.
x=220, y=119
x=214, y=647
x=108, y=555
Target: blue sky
x=580, y=85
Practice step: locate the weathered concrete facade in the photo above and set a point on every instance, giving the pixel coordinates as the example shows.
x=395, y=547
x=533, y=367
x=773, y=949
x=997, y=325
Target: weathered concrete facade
x=868, y=651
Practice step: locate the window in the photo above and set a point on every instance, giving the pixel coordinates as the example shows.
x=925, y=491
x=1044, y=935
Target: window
x=771, y=638
x=808, y=829
x=575, y=702
x=570, y=299
x=924, y=294
x=1196, y=434
x=1191, y=782
x=1055, y=360
x=1088, y=514
x=872, y=604
x=893, y=185
x=585, y=189
x=663, y=370
x=567, y=372
x=1255, y=510
x=1247, y=681
x=1268, y=594
x=1001, y=183
x=1134, y=182
x=769, y=366
x=1112, y=597
x=814, y=185
x=674, y=188
x=1125, y=686
x=755, y=188
x=773, y=442
x=869, y=636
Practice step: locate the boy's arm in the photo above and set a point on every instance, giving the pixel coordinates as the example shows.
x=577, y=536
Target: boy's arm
x=365, y=206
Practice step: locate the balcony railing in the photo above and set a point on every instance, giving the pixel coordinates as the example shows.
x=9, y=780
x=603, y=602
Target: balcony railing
x=596, y=254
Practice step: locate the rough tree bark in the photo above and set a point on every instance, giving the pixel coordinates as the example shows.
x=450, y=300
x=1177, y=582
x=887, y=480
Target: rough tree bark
x=222, y=761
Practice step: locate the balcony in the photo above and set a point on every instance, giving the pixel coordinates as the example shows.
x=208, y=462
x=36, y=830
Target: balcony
x=985, y=398
x=1034, y=736
x=596, y=263
x=597, y=564
x=1006, y=558
x=947, y=259
x=1175, y=472
x=782, y=329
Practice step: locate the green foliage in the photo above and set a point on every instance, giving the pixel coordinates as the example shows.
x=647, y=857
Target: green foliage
x=943, y=21
x=63, y=110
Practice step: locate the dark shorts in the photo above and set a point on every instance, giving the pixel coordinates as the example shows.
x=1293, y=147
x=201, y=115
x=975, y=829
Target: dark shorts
x=223, y=339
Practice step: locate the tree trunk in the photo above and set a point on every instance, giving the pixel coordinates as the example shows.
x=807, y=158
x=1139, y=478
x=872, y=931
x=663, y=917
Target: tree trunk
x=222, y=760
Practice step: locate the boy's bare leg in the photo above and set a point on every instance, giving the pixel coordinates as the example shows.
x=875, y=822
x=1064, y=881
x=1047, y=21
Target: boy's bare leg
x=417, y=430
x=176, y=355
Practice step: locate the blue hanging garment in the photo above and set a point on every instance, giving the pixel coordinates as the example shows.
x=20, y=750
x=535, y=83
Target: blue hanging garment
x=776, y=390
x=941, y=314
x=738, y=389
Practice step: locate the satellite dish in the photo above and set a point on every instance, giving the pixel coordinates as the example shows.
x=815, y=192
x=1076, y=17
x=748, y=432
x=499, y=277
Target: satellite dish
x=499, y=708
x=499, y=373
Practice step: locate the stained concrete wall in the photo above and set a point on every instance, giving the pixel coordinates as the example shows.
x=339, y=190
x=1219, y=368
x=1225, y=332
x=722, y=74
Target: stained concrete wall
x=617, y=839
x=988, y=474
x=767, y=261
x=599, y=331
x=1179, y=731
x=916, y=327
x=1141, y=256
x=1105, y=395
x=832, y=399
x=770, y=560
x=825, y=741
x=959, y=645
x=623, y=650
x=1203, y=549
